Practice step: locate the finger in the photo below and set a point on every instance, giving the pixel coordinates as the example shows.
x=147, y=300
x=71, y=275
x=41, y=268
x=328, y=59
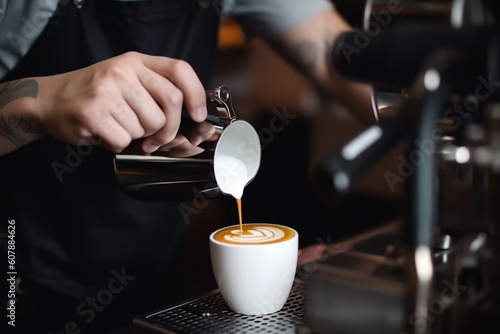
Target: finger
x=124, y=115
x=181, y=147
x=113, y=136
x=170, y=101
x=150, y=115
x=177, y=141
x=200, y=133
x=183, y=76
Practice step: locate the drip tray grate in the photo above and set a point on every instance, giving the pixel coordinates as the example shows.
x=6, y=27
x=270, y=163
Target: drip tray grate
x=209, y=314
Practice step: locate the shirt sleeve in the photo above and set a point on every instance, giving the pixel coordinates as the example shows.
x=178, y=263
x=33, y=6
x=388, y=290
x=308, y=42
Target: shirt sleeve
x=268, y=18
x=21, y=22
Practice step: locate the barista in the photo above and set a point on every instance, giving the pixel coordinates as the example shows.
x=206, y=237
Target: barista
x=88, y=257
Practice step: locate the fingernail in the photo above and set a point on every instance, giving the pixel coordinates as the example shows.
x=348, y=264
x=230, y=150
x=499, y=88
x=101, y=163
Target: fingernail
x=200, y=114
x=148, y=148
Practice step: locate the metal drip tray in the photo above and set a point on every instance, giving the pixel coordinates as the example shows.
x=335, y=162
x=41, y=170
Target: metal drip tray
x=209, y=314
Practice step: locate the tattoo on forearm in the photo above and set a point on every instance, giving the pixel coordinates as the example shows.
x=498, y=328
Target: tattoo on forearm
x=13, y=127
x=24, y=124
x=8, y=132
x=17, y=89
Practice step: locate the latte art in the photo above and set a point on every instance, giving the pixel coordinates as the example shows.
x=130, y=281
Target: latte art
x=254, y=234
x=258, y=234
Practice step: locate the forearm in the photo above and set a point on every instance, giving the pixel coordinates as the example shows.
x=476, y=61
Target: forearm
x=18, y=127
x=308, y=46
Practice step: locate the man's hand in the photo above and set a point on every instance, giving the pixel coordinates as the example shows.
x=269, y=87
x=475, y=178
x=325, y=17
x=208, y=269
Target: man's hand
x=118, y=100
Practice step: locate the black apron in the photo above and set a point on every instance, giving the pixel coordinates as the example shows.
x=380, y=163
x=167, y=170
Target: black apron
x=77, y=232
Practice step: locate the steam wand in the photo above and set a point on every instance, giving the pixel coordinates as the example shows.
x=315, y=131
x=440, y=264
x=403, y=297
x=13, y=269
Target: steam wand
x=432, y=88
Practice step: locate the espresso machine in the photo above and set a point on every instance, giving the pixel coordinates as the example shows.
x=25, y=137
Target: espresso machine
x=436, y=90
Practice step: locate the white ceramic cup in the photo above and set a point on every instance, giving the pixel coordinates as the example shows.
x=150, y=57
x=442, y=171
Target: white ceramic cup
x=255, y=271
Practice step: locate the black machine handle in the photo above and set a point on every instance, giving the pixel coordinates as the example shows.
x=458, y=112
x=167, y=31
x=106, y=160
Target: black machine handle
x=393, y=58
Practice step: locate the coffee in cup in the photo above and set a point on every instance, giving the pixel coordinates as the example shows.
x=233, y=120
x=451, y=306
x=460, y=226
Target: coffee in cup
x=254, y=266
x=254, y=234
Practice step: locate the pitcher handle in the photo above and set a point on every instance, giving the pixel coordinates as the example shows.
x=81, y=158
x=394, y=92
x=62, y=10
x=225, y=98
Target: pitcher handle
x=219, y=104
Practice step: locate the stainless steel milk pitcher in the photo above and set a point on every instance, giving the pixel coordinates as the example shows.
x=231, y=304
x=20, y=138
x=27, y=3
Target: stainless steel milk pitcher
x=180, y=174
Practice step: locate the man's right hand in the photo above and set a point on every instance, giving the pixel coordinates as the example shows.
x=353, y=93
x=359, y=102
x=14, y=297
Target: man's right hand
x=118, y=100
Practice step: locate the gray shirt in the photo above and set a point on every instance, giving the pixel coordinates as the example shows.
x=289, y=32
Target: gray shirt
x=22, y=21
